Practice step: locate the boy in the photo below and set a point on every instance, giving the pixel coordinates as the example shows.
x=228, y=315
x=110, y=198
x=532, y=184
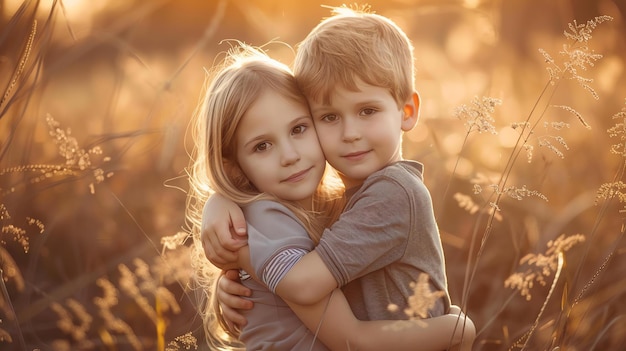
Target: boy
x=356, y=70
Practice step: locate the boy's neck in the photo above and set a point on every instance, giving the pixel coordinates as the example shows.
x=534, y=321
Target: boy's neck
x=356, y=183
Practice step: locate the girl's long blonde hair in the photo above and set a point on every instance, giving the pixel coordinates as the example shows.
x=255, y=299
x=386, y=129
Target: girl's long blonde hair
x=236, y=84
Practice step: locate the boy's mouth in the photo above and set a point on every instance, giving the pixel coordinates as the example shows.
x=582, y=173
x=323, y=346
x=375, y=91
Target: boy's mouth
x=355, y=156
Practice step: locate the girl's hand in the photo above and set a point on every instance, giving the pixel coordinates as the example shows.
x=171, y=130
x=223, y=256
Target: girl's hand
x=223, y=231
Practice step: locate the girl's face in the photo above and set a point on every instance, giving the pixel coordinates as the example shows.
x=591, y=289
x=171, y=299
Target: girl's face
x=278, y=150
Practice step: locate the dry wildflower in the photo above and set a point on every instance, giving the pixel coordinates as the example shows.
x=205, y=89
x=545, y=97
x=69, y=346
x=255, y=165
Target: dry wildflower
x=477, y=189
x=547, y=142
x=612, y=190
x=477, y=116
x=494, y=210
x=619, y=130
x=173, y=241
x=111, y=322
x=556, y=125
x=542, y=265
x=174, y=266
x=519, y=125
x=140, y=283
x=520, y=193
x=575, y=113
x=22, y=64
x=128, y=284
x=10, y=270
x=465, y=202
x=423, y=298
x=77, y=159
x=481, y=180
x=582, y=32
x=183, y=342
x=576, y=54
x=67, y=324
x=19, y=235
x=529, y=152
x=4, y=213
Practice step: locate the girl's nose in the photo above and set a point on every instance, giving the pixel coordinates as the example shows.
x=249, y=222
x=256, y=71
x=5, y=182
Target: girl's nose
x=289, y=155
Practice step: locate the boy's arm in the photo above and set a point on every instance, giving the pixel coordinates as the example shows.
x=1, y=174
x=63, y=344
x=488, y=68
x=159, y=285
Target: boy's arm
x=307, y=282
x=223, y=231
x=368, y=236
x=335, y=325
x=230, y=296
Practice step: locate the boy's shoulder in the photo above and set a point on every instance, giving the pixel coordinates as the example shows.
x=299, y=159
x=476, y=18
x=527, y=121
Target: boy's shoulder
x=402, y=177
x=405, y=170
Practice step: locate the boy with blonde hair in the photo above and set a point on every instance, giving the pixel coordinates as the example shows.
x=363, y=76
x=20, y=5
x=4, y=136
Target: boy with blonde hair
x=356, y=70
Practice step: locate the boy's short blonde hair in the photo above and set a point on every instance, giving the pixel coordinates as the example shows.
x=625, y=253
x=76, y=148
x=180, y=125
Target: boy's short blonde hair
x=355, y=45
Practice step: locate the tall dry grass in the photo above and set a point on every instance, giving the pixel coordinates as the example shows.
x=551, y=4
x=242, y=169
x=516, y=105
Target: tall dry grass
x=522, y=135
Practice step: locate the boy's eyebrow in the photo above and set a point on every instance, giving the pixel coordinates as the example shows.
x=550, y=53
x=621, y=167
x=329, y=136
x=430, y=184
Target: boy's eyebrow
x=322, y=108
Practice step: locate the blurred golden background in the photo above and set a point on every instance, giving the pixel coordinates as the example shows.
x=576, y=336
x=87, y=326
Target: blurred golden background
x=124, y=78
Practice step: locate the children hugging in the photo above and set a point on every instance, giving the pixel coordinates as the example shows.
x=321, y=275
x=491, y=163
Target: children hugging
x=316, y=220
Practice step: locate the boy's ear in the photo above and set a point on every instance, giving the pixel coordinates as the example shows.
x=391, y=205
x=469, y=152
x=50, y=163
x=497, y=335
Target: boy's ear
x=411, y=112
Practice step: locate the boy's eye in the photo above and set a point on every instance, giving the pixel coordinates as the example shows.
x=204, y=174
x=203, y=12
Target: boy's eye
x=262, y=146
x=329, y=118
x=299, y=129
x=367, y=111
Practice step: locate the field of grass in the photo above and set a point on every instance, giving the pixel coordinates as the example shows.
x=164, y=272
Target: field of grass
x=522, y=133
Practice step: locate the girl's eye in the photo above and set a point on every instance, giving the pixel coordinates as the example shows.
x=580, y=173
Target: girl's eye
x=299, y=129
x=261, y=147
x=330, y=118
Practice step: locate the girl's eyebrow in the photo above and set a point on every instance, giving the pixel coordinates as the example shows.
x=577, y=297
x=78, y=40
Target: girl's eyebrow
x=255, y=140
x=292, y=123
x=299, y=119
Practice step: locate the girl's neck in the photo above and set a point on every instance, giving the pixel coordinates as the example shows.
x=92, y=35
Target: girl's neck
x=307, y=204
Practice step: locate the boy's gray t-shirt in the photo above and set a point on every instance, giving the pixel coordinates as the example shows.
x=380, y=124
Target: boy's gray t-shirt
x=272, y=325
x=386, y=236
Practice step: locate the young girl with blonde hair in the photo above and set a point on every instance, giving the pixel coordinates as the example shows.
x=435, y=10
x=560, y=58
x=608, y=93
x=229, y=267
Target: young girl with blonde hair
x=256, y=145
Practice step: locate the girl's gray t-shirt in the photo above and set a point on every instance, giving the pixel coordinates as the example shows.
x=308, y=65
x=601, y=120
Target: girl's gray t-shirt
x=272, y=325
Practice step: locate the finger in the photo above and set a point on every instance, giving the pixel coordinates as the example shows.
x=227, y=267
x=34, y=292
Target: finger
x=222, y=237
x=231, y=292
x=221, y=259
x=238, y=224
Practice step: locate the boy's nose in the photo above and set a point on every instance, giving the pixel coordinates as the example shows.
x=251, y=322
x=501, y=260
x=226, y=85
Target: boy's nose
x=350, y=131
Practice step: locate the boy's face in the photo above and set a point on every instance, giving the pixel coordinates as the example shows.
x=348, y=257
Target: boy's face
x=361, y=131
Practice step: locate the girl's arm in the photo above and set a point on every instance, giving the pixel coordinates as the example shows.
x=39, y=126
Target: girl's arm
x=337, y=327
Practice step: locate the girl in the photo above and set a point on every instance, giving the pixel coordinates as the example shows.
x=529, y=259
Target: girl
x=256, y=145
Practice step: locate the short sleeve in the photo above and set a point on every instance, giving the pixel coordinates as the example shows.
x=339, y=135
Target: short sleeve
x=272, y=229
x=369, y=235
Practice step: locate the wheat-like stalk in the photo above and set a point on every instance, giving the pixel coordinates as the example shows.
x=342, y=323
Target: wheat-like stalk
x=17, y=73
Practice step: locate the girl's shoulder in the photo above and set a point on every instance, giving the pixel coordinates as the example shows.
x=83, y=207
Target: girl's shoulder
x=267, y=211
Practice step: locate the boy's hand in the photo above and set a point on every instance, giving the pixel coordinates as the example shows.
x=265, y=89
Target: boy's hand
x=466, y=327
x=229, y=296
x=223, y=231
